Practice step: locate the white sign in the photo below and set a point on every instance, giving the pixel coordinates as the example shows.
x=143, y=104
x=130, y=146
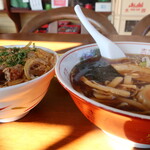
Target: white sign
x=102, y=7
x=36, y=4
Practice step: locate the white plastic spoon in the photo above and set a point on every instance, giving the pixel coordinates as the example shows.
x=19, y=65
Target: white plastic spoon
x=108, y=49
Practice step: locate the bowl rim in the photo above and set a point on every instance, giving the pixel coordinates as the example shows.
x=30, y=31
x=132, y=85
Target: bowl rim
x=35, y=79
x=86, y=99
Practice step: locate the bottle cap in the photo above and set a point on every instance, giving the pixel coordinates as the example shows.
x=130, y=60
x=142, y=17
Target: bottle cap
x=88, y=6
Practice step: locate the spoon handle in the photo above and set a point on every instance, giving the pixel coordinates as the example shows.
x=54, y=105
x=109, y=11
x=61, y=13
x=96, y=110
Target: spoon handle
x=104, y=43
x=90, y=28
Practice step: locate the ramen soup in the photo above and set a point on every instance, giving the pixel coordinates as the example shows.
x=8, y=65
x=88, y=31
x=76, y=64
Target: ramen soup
x=123, y=84
x=18, y=65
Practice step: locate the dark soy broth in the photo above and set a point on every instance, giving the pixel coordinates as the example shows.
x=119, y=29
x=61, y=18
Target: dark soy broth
x=118, y=84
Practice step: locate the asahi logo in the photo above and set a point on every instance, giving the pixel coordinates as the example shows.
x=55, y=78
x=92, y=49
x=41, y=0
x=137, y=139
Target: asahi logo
x=134, y=5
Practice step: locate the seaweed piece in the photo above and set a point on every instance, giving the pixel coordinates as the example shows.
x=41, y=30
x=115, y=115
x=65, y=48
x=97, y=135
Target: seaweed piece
x=102, y=73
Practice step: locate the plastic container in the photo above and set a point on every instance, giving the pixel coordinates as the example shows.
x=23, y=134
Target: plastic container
x=69, y=29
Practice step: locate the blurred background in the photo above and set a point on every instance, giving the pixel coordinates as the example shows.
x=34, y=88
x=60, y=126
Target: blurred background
x=123, y=14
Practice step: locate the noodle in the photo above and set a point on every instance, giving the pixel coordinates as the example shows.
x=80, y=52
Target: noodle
x=19, y=65
x=122, y=84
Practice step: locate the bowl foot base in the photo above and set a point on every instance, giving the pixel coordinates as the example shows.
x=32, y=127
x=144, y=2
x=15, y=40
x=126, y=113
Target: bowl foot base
x=13, y=118
x=127, y=142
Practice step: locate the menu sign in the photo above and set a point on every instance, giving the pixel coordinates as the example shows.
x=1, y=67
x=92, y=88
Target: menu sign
x=134, y=7
x=59, y=3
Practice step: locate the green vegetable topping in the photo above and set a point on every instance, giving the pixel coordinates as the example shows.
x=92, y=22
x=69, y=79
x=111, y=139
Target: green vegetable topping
x=13, y=56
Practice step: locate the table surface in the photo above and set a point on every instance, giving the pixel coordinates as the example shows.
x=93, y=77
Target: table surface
x=55, y=123
x=61, y=42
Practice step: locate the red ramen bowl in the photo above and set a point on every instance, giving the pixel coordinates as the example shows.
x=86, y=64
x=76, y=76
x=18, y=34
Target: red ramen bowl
x=127, y=126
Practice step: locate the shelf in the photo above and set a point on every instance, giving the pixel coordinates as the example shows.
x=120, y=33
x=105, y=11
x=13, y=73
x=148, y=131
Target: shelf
x=23, y=10
x=14, y=13
x=104, y=13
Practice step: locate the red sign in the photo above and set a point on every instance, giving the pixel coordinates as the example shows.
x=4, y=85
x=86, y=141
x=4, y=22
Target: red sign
x=134, y=5
x=60, y=3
